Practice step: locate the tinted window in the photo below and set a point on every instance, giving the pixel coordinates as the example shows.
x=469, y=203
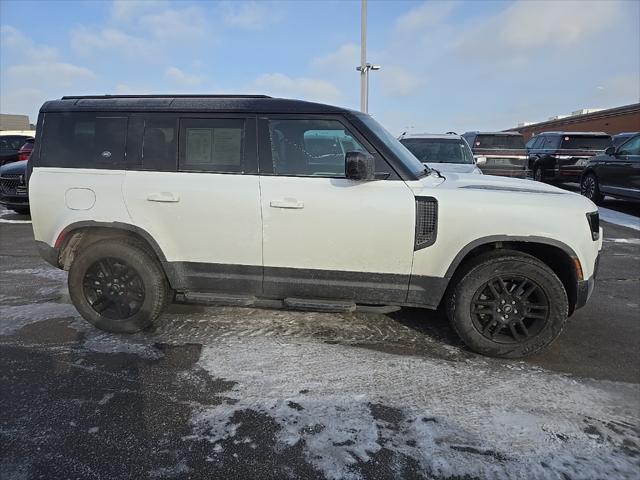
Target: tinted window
x=618, y=140
x=159, y=144
x=439, y=150
x=506, y=142
x=310, y=147
x=585, y=142
x=9, y=142
x=551, y=142
x=632, y=147
x=211, y=145
x=86, y=140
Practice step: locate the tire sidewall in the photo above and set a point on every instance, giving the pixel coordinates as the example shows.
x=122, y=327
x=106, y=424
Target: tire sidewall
x=144, y=265
x=476, y=277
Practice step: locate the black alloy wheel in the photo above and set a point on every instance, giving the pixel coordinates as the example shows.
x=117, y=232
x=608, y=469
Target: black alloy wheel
x=113, y=289
x=509, y=309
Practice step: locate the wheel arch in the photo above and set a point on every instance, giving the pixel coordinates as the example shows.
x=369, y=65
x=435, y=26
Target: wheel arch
x=557, y=255
x=81, y=234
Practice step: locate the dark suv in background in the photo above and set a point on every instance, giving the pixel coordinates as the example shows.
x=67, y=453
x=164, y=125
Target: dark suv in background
x=10, y=146
x=616, y=172
x=562, y=156
x=499, y=153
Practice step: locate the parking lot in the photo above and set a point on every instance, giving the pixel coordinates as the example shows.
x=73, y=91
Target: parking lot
x=224, y=392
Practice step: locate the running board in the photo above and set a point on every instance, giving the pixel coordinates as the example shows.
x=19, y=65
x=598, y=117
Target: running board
x=319, y=305
x=217, y=299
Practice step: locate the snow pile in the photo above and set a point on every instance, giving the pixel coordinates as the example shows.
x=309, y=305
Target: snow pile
x=453, y=418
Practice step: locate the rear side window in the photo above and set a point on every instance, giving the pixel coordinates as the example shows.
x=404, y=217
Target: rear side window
x=211, y=145
x=159, y=144
x=86, y=140
x=585, y=142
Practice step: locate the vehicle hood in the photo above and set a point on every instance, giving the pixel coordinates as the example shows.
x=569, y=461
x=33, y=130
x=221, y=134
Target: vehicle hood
x=453, y=167
x=486, y=183
x=14, y=167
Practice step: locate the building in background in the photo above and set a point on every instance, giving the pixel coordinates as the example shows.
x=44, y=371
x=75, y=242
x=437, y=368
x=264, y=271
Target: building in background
x=611, y=121
x=15, y=122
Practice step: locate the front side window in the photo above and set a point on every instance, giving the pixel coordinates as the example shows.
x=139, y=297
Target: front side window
x=551, y=142
x=310, y=147
x=211, y=145
x=439, y=150
x=83, y=140
x=632, y=147
x=159, y=144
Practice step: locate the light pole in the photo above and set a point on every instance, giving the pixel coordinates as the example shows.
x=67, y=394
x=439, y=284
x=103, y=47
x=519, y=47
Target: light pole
x=364, y=66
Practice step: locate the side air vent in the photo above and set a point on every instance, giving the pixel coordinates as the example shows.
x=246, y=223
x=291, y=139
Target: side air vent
x=426, y=222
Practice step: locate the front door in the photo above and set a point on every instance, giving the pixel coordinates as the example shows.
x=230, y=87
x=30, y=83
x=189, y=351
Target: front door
x=325, y=236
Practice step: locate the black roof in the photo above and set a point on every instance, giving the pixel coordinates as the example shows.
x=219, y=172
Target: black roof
x=588, y=134
x=187, y=103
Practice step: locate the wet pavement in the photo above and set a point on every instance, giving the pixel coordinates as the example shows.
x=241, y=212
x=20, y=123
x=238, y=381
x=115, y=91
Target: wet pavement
x=224, y=392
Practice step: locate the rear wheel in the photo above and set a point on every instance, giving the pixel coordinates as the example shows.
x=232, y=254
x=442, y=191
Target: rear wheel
x=508, y=304
x=118, y=286
x=590, y=188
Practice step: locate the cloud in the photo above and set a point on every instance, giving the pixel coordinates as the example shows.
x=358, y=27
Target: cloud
x=560, y=24
x=428, y=14
x=618, y=89
x=176, y=24
x=280, y=85
x=57, y=74
x=86, y=41
x=398, y=81
x=347, y=57
x=14, y=42
x=180, y=78
x=125, y=10
x=248, y=15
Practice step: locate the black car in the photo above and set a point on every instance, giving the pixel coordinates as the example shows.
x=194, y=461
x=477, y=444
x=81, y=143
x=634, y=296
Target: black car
x=562, y=156
x=620, y=138
x=499, y=153
x=616, y=172
x=13, y=187
x=10, y=146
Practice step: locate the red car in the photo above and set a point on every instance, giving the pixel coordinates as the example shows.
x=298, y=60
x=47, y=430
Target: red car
x=25, y=151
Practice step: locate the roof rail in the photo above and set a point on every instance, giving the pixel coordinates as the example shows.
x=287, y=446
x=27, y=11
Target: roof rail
x=98, y=97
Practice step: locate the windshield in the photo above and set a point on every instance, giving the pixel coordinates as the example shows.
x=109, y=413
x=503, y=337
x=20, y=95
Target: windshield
x=439, y=150
x=399, y=150
x=503, y=142
x=584, y=142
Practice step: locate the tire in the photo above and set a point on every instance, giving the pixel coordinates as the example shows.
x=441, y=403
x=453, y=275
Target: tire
x=117, y=286
x=21, y=210
x=590, y=188
x=537, y=173
x=472, y=321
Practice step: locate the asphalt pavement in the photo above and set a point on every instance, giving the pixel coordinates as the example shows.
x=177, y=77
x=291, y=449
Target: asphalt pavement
x=224, y=392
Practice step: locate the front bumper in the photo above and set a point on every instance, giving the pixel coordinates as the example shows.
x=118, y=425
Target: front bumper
x=586, y=287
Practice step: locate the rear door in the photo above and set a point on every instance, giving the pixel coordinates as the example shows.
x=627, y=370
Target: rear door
x=192, y=184
x=325, y=236
x=620, y=174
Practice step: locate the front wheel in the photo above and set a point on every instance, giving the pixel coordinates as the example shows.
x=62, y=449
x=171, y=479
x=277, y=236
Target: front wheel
x=118, y=286
x=590, y=188
x=537, y=173
x=508, y=305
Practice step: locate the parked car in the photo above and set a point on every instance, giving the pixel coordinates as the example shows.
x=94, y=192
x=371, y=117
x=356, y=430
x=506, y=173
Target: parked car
x=616, y=172
x=10, y=146
x=499, y=153
x=562, y=156
x=620, y=138
x=219, y=200
x=13, y=187
x=446, y=153
x=25, y=150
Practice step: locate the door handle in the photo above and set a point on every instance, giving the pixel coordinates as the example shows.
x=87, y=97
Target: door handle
x=166, y=197
x=286, y=203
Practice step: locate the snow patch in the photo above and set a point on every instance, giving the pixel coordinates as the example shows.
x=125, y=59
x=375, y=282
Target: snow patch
x=14, y=317
x=49, y=273
x=619, y=218
x=454, y=418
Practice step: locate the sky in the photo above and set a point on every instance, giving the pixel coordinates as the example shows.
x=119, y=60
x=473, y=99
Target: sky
x=446, y=66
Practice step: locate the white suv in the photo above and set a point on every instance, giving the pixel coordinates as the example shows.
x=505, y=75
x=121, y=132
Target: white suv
x=251, y=200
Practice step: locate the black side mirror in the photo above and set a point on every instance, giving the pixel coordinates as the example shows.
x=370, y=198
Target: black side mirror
x=610, y=150
x=359, y=166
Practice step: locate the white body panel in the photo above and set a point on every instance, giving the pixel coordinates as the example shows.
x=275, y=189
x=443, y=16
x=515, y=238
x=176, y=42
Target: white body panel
x=50, y=196
x=494, y=207
x=340, y=225
x=198, y=217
